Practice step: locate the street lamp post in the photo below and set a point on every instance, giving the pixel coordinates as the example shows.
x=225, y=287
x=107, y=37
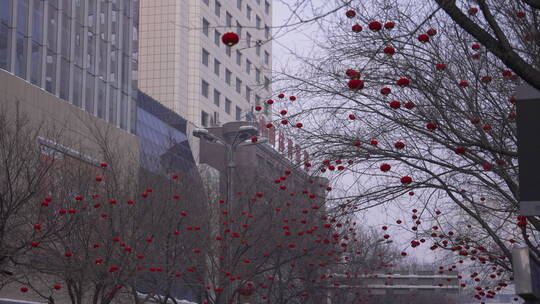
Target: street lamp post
x=240, y=140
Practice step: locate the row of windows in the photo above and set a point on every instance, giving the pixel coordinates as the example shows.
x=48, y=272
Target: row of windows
x=228, y=74
x=239, y=5
x=207, y=121
x=205, y=92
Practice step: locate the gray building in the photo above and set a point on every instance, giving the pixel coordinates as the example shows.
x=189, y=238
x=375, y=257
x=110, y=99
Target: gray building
x=83, y=51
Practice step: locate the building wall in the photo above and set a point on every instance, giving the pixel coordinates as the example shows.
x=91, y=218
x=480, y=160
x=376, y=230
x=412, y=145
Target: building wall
x=78, y=128
x=83, y=51
x=173, y=36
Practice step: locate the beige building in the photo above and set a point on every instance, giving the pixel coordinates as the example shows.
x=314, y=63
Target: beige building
x=184, y=64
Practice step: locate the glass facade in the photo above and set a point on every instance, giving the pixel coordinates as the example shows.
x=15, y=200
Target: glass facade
x=164, y=147
x=83, y=51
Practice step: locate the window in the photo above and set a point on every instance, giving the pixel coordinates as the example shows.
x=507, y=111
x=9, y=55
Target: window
x=248, y=39
x=248, y=12
x=217, y=97
x=228, y=103
x=258, y=75
x=218, y=8
x=217, y=37
x=207, y=2
x=248, y=94
x=258, y=48
x=204, y=119
x=205, y=57
x=5, y=12
x=238, y=85
x=238, y=113
x=266, y=32
x=204, y=88
x=228, y=50
x=248, y=66
x=238, y=29
x=217, y=66
x=215, y=120
x=266, y=83
x=205, y=27
x=267, y=7
x=266, y=57
x=228, y=19
x=238, y=57
x=258, y=22
x=257, y=100
x=228, y=76
x=239, y=4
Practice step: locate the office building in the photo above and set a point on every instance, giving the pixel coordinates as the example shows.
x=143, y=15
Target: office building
x=184, y=64
x=82, y=51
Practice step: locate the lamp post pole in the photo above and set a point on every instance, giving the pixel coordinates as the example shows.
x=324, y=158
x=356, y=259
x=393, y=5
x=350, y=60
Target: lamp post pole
x=244, y=133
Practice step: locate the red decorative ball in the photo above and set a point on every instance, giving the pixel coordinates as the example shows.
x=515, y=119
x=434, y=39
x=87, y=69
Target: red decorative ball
x=432, y=32
x=281, y=95
x=373, y=142
x=399, y=145
x=299, y=125
x=406, y=180
x=375, y=26
x=350, y=14
x=258, y=108
x=357, y=28
x=292, y=98
x=269, y=101
x=355, y=84
x=230, y=38
x=431, y=126
x=473, y=11
x=353, y=74
x=283, y=112
x=269, y=125
x=409, y=105
x=352, y=116
x=395, y=104
x=389, y=50
x=460, y=150
x=463, y=84
x=389, y=25
x=440, y=66
x=385, y=168
x=475, y=46
x=423, y=38
x=24, y=289
x=403, y=82
x=385, y=91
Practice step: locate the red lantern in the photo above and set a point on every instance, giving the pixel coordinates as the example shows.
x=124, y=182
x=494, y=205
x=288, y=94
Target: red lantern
x=375, y=26
x=399, y=145
x=353, y=74
x=432, y=32
x=292, y=98
x=299, y=125
x=385, y=168
x=385, y=91
x=373, y=142
x=403, y=82
x=269, y=101
x=258, y=108
x=520, y=14
x=475, y=46
x=486, y=79
x=389, y=50
x=283, y=112
x=281, y=96
x=352, y=117
x=395, y=104
x=350, y=14
x=269, y=125
x=460, y=150
x=57, y=287
x=463, y=84
x=355, y=84
x=440, y=66
x=473, y=11
x=424, y=38
x=24, y=289
x=230, y=38
x=406, y=180
x=389, y=25
x=357, y=28
x=247, y=289
x=431, y=126
x=409, y=105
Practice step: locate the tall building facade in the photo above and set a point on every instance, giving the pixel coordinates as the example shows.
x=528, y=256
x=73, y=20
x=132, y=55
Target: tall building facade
x=184, y=64
x=82, y=51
